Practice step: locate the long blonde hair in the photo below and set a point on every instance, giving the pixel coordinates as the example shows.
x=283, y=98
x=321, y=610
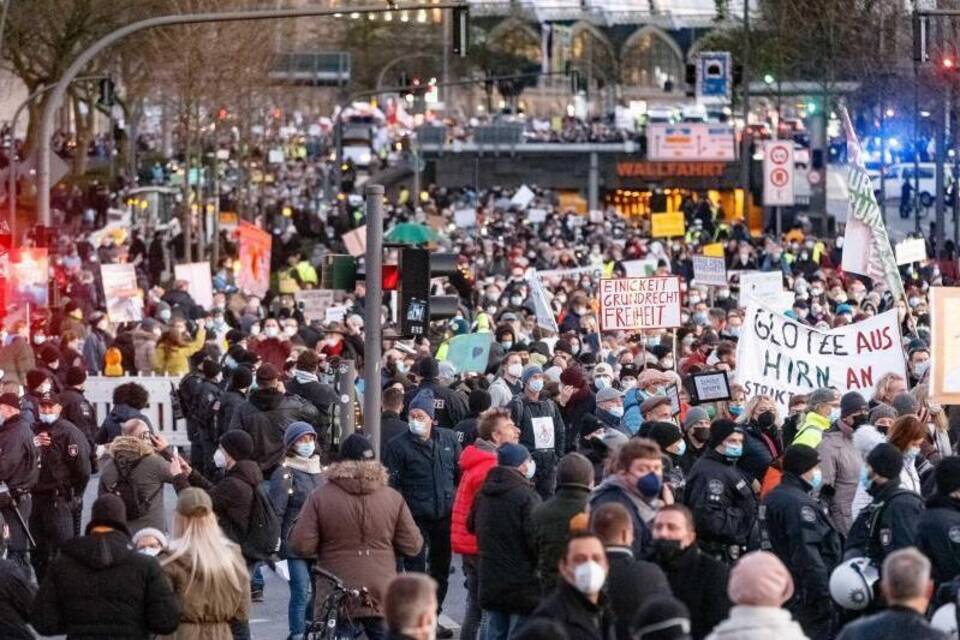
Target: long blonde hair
x=219, y=573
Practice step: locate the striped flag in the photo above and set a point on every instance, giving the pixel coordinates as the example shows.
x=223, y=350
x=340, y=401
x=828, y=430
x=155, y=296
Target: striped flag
x=541, y=304
x=866, y=247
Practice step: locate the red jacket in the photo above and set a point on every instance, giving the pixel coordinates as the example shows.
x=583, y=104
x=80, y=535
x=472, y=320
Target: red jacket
x=475, y=464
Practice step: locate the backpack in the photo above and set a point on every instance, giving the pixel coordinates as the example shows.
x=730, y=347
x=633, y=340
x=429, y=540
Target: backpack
x=263, y=531
x=125, y=489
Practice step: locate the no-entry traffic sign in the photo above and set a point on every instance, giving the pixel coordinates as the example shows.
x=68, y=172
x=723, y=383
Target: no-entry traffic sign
x=778, y=173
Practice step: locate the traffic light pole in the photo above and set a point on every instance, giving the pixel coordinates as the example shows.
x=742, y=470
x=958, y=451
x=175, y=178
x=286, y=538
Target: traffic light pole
x=373, y=303
x=82, y=60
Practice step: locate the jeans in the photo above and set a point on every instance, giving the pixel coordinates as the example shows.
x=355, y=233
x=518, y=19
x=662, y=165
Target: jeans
x=435, y=552
x=471, y=613
x=498, y=625
x=300, y=596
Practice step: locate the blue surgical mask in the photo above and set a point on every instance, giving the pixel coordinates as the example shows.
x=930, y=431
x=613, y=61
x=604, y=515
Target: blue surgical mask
x=817, y=480
x=536, y=385
x=682, y=449
x=305, y=449
x=506, y=344
x=912, y=452
x=531, y=469
x=733, y=451
x=736, y=410
x=864, y=477
x=834, y=414
x=602, y=382
x=418, y=427
x=616, y=411
x=48, y=418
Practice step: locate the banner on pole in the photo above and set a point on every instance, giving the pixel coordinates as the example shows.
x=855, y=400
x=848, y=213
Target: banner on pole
x=780, y=357
x=709, y=270
x=470, y=352
x=29, y=278
x=254, y=255
x=200, y=283
x=123, y=296
x=545, y=317
x=629, y=304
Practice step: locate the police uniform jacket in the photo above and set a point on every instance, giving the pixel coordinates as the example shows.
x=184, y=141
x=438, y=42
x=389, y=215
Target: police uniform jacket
x=888, y=523
x=722, y=500
x=938, y=537
x=64, y=463
x=19, y=458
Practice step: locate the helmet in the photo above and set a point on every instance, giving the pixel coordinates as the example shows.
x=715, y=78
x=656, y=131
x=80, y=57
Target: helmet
x=945, y=619
x=851, y=583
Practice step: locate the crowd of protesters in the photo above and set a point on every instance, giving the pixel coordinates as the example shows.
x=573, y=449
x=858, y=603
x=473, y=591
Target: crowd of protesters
x=580, y=498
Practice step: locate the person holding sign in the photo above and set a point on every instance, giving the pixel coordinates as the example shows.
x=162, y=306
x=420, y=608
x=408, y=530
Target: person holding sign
x=542, y=429
x=720, y=496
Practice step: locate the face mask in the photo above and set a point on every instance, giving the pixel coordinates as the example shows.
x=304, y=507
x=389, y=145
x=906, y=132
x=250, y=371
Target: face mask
x=912, y=452
x=859, y=421
x=865, y=478
x=536, y=385
x=44, y=388
x=418, y=427
x=506, y=344
x=667, y=363
x=602, y=382
x=220, y=459
x=711, y=411
x=653, y=341
x=516, y=301
x=700, y=317
x=272, y=332
x=402, y=367
x=649, y=485
x=920, y=368
x=515, y=370
x=816, y=480
x=305, y=449
x=834, y=414
x=616, y=411
x=48, y=418
x=589, y=577
x=681, y=448
x=765, y=420
x=531, y=469
x=666, y=549
x=702, y=434
x=628, y=383
x=733, y=451
x=255, y=330
x=153, y=552
x=165, y=315
x=736, y=410
x=289, y=331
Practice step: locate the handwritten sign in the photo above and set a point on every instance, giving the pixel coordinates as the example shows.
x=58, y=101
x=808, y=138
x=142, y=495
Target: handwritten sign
x=711, y=271
x=667, y=225
x=714, y=250
x=629, y=304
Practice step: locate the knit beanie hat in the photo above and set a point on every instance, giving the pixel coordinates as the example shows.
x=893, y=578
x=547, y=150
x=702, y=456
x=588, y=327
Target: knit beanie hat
x=295, y=431
x=886, y=460
x=663, y=433
x=882, y=411
x=76, y=376
x=529, y=371
x=150, y=532
x=356, y=447
x=759, y=579
x=512, y=455
x=661, y=617
x=720, y=430
x=575, y=469
x=108, y=511
x=947, y=475
x=428, y=368
x=35, y=378
x=905, y=404
x=799, y=458
x=852, y=402
x=695, y=415
x=237, y=444
x=423, y=401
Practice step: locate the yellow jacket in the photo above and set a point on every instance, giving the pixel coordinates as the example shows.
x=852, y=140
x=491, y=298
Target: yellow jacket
x=176, y=361
x=811, y=431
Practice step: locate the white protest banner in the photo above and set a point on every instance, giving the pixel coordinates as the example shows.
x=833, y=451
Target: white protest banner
x=464, y=218
x=911, y=250
x=575, y=272
x=780, y=357
x=640, y=268
x=537, y=216
x=200, y=284
x=758, y=287
x=124, y=298
x=708, y=270
x=314, y=303
x=628, y=304
x=541, y=304
x=523, y=197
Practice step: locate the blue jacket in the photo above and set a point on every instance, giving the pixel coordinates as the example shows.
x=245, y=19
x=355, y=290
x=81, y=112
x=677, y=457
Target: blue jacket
x=425, y=472
x=632, y=418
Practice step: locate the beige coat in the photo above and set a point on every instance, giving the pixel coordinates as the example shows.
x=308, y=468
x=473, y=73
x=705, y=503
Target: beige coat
x=355, y=526
x=203, y=617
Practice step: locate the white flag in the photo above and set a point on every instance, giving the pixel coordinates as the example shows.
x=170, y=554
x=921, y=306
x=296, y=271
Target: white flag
x=545, y=318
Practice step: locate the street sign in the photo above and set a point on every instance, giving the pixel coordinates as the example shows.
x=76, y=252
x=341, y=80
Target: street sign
x=694, y=141
x=714, y=77
x=778, y=173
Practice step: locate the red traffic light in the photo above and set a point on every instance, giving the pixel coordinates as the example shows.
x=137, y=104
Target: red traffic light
x=390, y=277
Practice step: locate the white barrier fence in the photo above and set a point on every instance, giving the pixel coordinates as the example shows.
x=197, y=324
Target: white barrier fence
x=99, y=391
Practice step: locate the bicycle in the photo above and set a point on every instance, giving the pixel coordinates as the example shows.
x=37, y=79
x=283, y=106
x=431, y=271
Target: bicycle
x=334, y=622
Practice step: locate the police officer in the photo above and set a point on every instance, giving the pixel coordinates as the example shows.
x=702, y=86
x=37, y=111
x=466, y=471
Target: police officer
x=64, y=472
x=19, y=470
x=795, y=526
x=890, y=521
x=938, y=532
x=78, y=410
x=720, y=496
x=200, y=396
x=451, y=406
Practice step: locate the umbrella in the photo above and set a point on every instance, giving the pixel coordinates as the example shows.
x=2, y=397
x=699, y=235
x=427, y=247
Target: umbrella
x=411, y=233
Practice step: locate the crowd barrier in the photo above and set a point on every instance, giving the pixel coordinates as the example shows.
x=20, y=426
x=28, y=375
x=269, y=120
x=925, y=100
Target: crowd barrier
x=99, y=391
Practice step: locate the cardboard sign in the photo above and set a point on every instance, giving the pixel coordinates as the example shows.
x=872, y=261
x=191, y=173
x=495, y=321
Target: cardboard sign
x=780, y=357
x=667, y=225
x=712, y=386
x=314, y=303
x=465, y=218
x=29, y=277
x=200, y=283
x=356, y=241
x=335, y=314
x=124, y=298
x=711, y=271
x=254, y=255
x=537, y=216
x=760, y=287
x=714, y=250
x=523, y=197
x=911, y=250
x=629, y=304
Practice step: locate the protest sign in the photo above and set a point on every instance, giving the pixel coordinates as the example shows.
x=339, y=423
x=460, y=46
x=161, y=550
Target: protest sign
x=945, y=345
x=464, y=218
x=640, y=268
x=356, y=241
x=674, y=394
x=123, y=296
x=780, y=357
x=708, y=270
x=29, y=277
x=523, y=197
x=541, y=304
x=594, y=272
x=254, y=256
x=711, y=386
x=313, y=303
x=199, y=282
x=335, y=314
x=470, y=352
x=759, y=287
x=911, y=250
x=714, y=250
x=537, y=216
x=667, y=225
x=628, y=304
x=596, y=216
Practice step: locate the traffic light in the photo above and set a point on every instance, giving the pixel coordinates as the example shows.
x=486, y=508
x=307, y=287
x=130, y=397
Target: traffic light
x=461, y=31
x=416, y=307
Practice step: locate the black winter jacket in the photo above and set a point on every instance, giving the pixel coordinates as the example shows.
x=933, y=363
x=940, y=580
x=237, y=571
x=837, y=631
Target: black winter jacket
x=20, y=460
x=100, y=588
x=938, y=537
x=582, y=619
x=391, y=426
x=450, y=406
x=723, y=503
x=265, y=416
x=425, y=471
x=895, y=623
x=227, y=414
x=700, y=582
x=16, y=598
x=501, y=520
x=551, y=528
x=78, y=410
x=232, y=497
x=323, y=398
x=630, y=583
x=120, y=413
x=887, y=524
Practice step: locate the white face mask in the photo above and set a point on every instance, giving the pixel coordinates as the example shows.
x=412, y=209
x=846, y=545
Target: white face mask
x=589, y=577
x=289, y=331
x=418, y=427
x=220, y=459
x=153, y=552
x=515, y=370
x=271, y=332
x=531, y=469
